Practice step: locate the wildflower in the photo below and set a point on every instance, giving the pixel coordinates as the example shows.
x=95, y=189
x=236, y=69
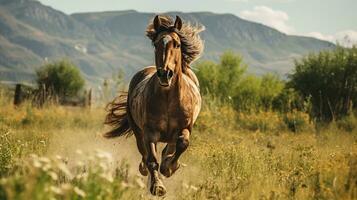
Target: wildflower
x=56, y=190
x=65, y=170
x=36, y=163
x=53, y=175
x=44, y=160
x=104, y=155
x=66, y=186
x=46, y=167
x=79, y=192
x=82, y=176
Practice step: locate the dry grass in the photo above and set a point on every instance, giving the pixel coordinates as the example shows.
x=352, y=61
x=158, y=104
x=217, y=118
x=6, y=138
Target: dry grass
x=232, y=156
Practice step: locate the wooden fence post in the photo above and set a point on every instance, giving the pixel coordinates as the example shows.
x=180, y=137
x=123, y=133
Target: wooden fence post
x=18, y=95
x=89, y=98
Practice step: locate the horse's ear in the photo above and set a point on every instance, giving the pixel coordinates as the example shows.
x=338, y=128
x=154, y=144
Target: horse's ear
x=157, y=23
x=178, y=23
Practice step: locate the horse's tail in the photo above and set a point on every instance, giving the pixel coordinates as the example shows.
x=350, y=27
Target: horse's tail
x=117, y=117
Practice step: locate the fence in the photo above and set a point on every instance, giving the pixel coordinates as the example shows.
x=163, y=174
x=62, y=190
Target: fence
x=42, y=95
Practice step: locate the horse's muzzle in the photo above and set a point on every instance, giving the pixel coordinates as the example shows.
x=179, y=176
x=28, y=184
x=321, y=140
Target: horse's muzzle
x=165, y=76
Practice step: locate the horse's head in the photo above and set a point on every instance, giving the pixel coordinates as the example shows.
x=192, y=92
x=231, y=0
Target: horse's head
x=167, y=51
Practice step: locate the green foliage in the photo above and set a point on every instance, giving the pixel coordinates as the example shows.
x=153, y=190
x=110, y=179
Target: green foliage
x=62, y=78
x=289, y=100
x=348, y=123
x=229, y=81
x=329, y=79
x=271, y=87
x=221, y=79
x=297, y=122
x=247, y=96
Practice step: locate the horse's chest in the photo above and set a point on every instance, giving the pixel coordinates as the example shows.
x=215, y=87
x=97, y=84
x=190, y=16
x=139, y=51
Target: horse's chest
x=173, y=118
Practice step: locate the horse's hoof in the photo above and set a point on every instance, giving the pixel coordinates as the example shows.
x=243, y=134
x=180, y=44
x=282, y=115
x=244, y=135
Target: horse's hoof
x=168, y=171
x=158, y=189
x=143, y=169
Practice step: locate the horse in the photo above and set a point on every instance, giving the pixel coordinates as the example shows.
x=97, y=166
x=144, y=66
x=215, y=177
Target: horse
x=163, y=101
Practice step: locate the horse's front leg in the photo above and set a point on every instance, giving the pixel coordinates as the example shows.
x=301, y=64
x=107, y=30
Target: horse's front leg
x=169, y=163
x=156, y=186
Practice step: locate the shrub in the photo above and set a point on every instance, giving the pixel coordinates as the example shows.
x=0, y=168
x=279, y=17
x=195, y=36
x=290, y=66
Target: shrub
x=329, y=79
x=348, y=123
x=61, y=78
x=297, y=121
x=229, y=82
x=261, y=121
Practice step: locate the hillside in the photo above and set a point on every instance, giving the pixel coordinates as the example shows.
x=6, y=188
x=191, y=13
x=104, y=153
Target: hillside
x=100, y=43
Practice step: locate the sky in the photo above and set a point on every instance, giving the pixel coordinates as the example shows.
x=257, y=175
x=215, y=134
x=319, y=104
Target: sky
x=330, y=20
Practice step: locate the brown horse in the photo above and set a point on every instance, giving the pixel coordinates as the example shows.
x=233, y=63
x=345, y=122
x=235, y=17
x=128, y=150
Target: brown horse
x=163, y=101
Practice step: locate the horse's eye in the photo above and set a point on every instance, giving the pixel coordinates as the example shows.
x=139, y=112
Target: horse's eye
x=178, y=46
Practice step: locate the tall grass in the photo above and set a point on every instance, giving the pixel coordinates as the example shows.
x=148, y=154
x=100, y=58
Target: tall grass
x=58, y=153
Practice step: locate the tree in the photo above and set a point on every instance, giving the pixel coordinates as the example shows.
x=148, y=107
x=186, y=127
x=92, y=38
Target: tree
x=229, y=82
x=329, y=80
x=221, y=79
x=61, y=78
x=247, y=96
x=271, y=87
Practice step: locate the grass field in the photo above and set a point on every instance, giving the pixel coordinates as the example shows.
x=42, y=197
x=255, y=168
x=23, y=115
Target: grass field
x=58, y=153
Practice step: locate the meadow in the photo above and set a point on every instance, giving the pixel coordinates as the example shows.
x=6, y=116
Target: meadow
x=58, y=152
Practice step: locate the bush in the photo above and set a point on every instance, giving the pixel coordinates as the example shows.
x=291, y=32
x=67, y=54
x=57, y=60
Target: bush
x=228, y=81
x=62, y=79
x=261, y=121
x=221, y=80
x=297, y=121
x=329, y=80
x=348, y=123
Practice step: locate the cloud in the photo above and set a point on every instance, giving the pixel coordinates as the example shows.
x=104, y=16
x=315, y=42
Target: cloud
x=345, y=38
x=267, y=16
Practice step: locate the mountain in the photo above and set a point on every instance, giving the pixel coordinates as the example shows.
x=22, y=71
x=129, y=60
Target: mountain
x=101, y=43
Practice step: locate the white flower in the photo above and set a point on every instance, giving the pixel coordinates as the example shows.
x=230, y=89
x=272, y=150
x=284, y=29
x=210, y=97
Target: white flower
x=53, y=175
x=56, y=190
x=79, y=192
x=65, y=170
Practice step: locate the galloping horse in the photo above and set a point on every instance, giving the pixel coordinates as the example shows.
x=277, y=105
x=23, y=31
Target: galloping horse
x=163, y=101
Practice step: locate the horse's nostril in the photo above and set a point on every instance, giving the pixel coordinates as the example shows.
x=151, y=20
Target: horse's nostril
x=160, y=73
x=170, y=74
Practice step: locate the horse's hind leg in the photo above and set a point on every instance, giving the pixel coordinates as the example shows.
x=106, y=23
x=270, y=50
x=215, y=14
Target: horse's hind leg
x=171, y=164
x=156, y=185
x=142, y=149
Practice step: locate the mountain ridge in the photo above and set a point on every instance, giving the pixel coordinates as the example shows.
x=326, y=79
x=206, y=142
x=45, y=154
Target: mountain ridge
x=102, y=42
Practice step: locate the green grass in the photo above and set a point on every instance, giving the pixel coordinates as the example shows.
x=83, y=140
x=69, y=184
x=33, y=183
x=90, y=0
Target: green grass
x=58, y=153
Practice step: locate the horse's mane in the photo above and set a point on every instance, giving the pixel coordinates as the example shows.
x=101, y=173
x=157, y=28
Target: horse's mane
x=191, y=42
